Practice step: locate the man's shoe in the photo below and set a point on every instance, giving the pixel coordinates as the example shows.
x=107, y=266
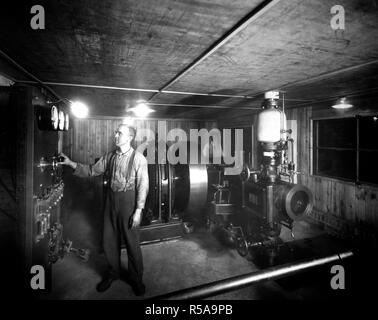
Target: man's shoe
x=104, y=284
x=139, y=289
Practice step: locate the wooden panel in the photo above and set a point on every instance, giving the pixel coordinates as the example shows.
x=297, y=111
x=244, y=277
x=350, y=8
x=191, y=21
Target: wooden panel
x=332, y=197
x=8, y=144
x=91, y=138
x=25, y=162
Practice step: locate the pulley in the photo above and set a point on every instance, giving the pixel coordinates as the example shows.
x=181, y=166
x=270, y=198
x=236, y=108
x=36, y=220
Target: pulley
x=176, y=191
x=298, y=202
x=191, y=183
x=294, y=201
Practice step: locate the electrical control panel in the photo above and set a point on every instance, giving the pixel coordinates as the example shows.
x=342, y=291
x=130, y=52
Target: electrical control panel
x=46, y=210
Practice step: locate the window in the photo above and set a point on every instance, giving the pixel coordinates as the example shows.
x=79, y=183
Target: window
x=346, y=148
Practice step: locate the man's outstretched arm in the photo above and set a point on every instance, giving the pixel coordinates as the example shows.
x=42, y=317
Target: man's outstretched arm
x=83, y=170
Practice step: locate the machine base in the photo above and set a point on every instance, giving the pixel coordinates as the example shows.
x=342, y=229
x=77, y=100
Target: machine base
x=161, y=232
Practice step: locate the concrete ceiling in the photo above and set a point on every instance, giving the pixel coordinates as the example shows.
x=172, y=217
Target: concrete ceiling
x=215, y=49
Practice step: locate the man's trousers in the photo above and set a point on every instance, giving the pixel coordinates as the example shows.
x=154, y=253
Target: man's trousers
x=119, y=208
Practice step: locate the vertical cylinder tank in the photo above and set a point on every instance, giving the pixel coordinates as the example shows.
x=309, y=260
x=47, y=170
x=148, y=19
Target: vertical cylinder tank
x=271, y=122
x=269, y=126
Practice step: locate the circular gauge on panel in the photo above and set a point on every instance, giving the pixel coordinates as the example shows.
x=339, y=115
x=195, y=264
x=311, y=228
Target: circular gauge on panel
x=61, y=120
x=66, y=122
x=54, y=118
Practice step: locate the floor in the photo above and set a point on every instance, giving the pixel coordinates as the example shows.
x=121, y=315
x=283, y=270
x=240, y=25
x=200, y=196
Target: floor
x=197, y=258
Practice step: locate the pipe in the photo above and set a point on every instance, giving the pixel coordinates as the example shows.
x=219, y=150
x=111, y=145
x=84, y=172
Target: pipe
x=65, y=84
x=201, y=106
x=30, y=75
x=100, y=117
x=238, y=282
x=206, y=94
x=306, y=101
x=242, y=24
x=162, y=90
x=318, y=78
x=270, y=206
x=83, y=85
x=330, y=74
x=243, y=195
x=357, y=93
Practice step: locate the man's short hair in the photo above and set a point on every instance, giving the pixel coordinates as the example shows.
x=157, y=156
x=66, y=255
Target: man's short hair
x=132, y=130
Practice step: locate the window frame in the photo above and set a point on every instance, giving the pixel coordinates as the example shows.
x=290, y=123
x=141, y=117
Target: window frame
x=357, y=149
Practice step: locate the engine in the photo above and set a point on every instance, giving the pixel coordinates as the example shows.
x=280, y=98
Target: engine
x=270, y=198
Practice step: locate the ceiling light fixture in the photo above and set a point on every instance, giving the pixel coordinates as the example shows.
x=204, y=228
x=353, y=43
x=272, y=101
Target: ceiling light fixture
x=342, y=103
x=79, y=109
x=141, y=110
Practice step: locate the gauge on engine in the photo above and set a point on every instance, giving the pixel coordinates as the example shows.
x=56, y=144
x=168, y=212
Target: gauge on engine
x=61, y=121
x=54, y=117
x=66, y=122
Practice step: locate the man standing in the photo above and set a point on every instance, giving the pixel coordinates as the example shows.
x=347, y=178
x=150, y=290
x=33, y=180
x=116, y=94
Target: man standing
x=126, y=181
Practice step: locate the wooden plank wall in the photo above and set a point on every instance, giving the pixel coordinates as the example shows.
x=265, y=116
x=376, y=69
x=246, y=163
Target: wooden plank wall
x=336, y=202
x=89, y=139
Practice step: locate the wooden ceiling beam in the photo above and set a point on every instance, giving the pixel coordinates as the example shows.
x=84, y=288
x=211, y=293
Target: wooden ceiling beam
x=242, y=24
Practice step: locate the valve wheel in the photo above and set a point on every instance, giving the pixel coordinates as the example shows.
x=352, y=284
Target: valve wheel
x=245, y=174
x=242, y=246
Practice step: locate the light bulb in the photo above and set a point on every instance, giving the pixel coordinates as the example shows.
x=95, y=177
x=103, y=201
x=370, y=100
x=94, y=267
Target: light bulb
x=79, y=109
